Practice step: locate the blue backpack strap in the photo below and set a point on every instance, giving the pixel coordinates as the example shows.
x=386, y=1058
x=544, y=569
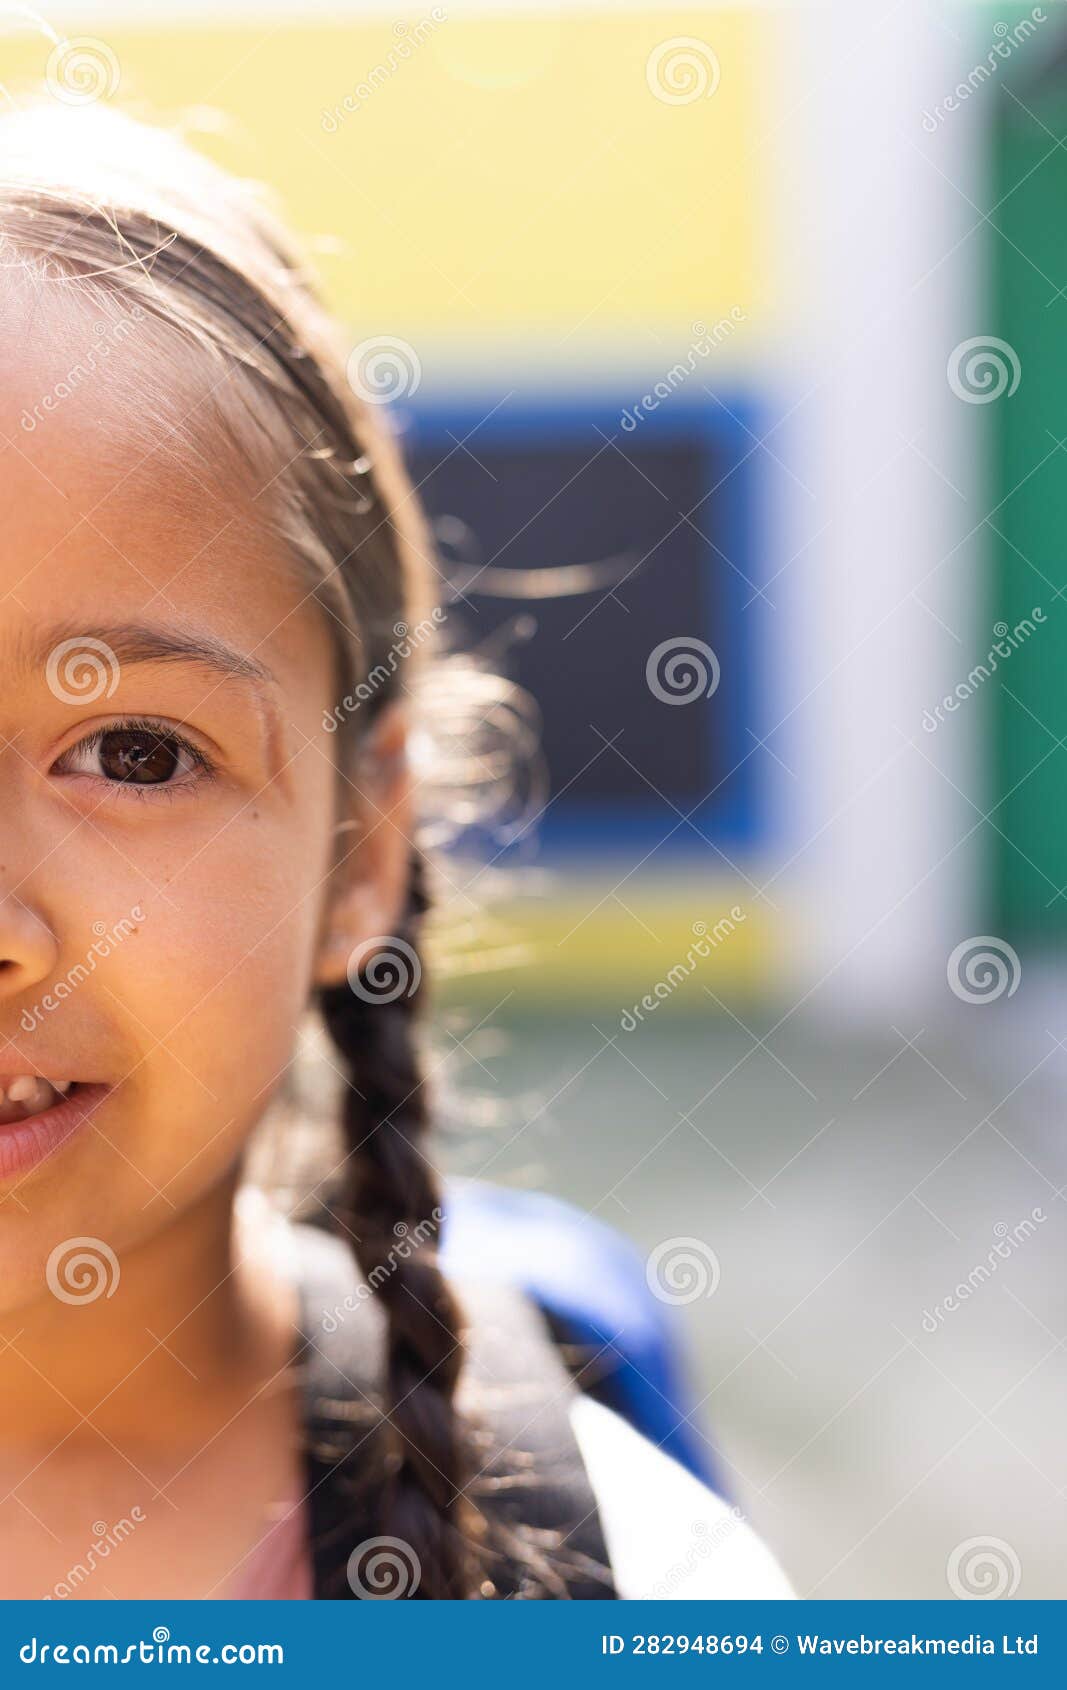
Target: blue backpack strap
x=546, y=1535
x=591, y=1286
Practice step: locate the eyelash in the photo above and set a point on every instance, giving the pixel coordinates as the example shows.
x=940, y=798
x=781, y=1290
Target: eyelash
x=205, y=768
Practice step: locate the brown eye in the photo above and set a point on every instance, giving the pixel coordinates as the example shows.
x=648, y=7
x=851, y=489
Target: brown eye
x=138, y=757
x=136, y=754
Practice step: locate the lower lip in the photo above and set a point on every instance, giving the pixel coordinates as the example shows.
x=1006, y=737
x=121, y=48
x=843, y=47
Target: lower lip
x=25, y=1144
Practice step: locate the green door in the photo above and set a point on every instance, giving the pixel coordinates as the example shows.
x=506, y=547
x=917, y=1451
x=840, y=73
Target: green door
x=1026, y=700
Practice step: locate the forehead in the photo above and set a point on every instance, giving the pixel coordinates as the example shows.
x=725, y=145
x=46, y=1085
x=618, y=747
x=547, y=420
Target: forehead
x=122, y=488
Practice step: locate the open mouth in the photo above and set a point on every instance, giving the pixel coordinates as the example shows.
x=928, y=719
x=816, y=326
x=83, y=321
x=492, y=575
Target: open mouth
x=24, y=1095
x=38, y=1116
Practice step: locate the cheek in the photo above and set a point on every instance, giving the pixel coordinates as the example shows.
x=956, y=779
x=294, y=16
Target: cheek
x=208, y=996
x=227, y=956
x=203, y=1001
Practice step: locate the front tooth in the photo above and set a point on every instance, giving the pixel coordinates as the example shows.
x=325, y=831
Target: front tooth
x=22, y=1089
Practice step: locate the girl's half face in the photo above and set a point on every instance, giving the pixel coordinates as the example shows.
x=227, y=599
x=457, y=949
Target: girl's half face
x=167, y=790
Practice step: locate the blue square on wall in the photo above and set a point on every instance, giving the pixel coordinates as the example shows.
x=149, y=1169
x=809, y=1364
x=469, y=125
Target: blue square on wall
x=646, y=535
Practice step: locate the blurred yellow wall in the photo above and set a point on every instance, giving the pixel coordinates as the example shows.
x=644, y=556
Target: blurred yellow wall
x=510, y=172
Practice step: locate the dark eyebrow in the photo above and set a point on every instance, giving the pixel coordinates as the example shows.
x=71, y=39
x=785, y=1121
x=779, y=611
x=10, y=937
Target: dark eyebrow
x=138, y=642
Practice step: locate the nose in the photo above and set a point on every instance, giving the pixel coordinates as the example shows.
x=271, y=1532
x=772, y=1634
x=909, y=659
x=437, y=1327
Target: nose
x=28, y=948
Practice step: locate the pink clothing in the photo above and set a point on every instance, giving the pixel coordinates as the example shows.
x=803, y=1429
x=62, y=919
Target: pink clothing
x=279, y=1567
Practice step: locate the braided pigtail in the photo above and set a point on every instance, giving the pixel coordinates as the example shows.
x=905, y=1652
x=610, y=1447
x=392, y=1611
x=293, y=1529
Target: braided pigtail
x=391, y=1191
